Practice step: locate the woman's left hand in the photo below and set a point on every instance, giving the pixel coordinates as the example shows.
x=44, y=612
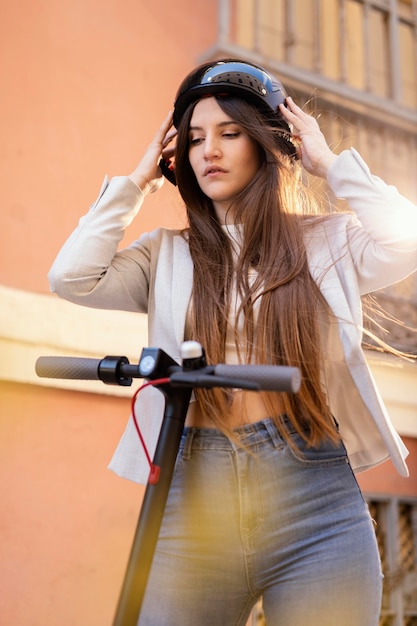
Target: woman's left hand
x=313, y=149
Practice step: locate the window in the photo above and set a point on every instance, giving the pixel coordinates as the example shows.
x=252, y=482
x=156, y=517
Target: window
x=367, y=45
x=396, y=531
x=408, y=66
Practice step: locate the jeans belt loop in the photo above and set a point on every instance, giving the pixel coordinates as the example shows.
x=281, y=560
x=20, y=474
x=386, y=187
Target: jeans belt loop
x=188, y=443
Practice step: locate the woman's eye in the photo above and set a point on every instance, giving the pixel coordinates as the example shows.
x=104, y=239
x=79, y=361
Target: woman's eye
x=195, y=140
x=231, y=135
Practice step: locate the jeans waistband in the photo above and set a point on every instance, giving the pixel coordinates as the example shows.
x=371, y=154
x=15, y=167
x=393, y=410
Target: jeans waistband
x=248, y=435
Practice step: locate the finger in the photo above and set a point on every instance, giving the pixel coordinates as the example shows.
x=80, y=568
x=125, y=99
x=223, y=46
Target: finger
x=169, y=152
x=163, y=129
x=295, y=114
x=292, y=105
x=167, y=123
x=288, y=114
x=295, y=109
x=292, y=119
x=170, y=135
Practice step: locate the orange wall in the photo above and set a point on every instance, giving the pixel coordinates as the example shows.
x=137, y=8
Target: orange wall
x=84, y=86
x=66, y=523
x=385, y=480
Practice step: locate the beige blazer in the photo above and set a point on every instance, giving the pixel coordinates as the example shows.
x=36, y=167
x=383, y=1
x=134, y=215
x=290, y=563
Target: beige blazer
x=349, y=255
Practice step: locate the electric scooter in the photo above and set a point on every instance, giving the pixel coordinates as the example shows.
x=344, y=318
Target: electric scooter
x=176, y=382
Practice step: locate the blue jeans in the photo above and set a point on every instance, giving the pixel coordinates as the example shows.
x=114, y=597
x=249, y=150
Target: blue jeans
x=263, y=521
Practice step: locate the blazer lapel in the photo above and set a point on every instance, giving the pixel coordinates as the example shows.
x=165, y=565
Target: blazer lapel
x=181, y=286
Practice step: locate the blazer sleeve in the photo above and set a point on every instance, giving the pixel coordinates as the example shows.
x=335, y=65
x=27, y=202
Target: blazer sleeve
x=382, y=239
x=89, y=270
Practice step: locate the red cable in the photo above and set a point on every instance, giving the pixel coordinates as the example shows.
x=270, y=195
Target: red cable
x=155, y=469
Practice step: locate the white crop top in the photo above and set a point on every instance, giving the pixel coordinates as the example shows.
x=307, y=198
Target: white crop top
x=232, y=357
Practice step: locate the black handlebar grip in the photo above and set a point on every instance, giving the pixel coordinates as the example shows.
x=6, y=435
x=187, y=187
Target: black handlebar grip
x=268, y=377
x=67, y=367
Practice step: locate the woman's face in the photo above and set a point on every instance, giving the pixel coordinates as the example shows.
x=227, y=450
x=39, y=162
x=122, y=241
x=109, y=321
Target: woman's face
x=223, y=157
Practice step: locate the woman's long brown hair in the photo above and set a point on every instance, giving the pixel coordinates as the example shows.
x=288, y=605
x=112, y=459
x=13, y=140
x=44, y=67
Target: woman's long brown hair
x=273, y=210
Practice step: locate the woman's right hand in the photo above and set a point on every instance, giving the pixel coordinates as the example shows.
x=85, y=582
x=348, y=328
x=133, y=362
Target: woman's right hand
x=147, y=175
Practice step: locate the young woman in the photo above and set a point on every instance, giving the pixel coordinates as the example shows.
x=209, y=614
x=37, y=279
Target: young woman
x=264, y=501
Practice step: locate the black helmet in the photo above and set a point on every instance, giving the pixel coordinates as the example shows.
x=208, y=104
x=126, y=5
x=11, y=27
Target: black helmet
x=231, y=76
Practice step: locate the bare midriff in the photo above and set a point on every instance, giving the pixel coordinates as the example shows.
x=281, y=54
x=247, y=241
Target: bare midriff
x=248, y=407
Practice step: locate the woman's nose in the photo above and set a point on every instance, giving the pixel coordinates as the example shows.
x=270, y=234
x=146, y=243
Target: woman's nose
x=211, y=147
